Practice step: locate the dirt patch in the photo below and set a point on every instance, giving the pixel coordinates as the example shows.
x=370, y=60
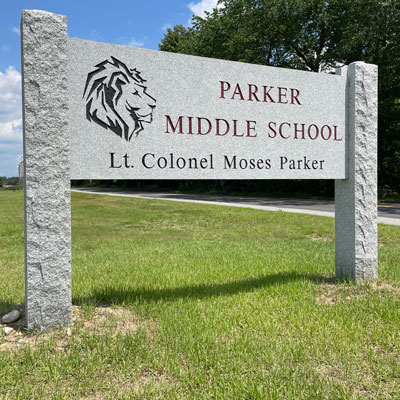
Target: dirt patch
x=133, y=386
x=317, y=238
x=102, y=320
x=328, y=372
x=331, y=294
x=364, y=374
x=148, y=378
x=113, y=320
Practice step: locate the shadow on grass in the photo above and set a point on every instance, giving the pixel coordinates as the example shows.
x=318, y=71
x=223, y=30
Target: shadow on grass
x=116, y=295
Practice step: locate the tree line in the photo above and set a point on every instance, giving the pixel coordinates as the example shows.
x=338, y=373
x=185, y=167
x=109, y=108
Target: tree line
x=311, y=35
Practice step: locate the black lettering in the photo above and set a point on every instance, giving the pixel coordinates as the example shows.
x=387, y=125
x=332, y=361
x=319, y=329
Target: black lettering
x=126, y=160
x=180, y=162
x=229, y=165
x=112, y=161
x=165, y=162
x=194, y=161
x=144, y=160
x=243, y=163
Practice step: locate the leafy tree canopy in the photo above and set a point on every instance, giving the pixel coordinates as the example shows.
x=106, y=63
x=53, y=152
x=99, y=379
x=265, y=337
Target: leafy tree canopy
x=313, y=35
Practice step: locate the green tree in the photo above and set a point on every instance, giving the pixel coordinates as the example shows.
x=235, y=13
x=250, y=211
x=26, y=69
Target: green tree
x=313, y=35
x=176, y=40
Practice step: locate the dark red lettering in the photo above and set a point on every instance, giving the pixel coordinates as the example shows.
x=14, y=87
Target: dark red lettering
x=199, y=126
x=297, y=130
x=190, y=132
x=238, y=92
x=272, y=126
x=267, y=95
x=251, y=128
x=253, y=89
x=282, y=95
x=335, y=134
x=218, y=127
x=316, y=131
x=171, y=125
x=235, y=129
x=322, y=132
x=280, y=130
x=224, y=87
x=294, y=94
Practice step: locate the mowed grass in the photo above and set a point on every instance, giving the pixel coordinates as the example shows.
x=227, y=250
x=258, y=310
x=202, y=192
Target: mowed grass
x=190, y=301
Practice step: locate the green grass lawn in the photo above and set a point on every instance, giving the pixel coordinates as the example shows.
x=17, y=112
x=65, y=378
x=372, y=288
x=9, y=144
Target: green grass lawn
x=191, y=301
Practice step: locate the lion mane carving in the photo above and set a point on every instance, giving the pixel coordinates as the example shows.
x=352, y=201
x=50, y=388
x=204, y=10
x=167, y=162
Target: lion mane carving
x=117, y=99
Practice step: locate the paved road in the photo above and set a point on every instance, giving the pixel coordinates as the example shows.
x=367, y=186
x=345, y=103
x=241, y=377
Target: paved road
x=388, y=213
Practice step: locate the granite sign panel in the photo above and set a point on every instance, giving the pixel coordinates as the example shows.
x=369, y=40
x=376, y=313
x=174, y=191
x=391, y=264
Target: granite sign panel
x=144, y=114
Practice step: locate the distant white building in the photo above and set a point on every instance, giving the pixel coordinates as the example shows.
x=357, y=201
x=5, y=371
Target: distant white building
x=21, y=172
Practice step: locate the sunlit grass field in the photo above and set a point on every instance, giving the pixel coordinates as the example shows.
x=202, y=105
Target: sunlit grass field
x=191, y=301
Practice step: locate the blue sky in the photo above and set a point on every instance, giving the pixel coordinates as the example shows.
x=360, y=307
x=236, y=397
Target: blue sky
x=139, y=23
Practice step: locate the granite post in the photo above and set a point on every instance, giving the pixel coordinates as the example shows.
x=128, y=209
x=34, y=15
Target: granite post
x=356, y=197
x=47, y=170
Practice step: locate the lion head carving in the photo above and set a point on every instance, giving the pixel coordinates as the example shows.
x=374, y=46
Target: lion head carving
x=117, y=99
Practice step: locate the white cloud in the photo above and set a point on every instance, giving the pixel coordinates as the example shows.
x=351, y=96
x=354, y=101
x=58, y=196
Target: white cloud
x=166, y=26
x=126, y=41
x=15, y=30
x=11, y=131
x=10, y=95
x=95, y=36
x=202, y=6
x=10, y=121
x=136, y=43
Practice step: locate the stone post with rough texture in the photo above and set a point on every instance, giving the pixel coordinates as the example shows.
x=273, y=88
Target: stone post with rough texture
x=47, y=171
x=356, y=196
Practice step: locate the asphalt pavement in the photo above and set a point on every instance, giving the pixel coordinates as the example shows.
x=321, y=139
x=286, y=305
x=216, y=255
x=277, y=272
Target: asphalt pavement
x=388, y=213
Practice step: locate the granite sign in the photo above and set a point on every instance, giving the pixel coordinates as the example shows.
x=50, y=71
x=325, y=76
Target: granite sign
x=102, y=111
x=137, y=113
